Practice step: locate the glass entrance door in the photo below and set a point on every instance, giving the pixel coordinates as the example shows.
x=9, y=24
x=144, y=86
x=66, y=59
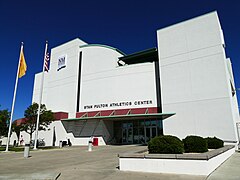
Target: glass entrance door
x=127, y=133
x=150, y=132
x=136, y=131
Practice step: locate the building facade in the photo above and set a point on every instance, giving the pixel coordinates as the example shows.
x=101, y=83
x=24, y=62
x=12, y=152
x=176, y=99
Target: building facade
x=183, y=87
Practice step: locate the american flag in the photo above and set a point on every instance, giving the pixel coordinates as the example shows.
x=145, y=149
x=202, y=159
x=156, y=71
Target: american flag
x=46, y=61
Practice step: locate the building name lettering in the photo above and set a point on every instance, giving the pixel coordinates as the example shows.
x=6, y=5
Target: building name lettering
x=118, y=104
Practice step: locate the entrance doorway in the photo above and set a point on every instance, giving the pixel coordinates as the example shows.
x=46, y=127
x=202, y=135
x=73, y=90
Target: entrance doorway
x=137, y=131
x=127, y=133
x=150, y=132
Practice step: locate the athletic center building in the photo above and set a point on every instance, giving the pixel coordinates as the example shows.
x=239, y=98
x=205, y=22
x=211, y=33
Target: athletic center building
x=184, y=86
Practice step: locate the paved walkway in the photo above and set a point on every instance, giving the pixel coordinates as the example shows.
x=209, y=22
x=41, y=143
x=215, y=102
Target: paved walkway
x=229, y=170
x=101, y=163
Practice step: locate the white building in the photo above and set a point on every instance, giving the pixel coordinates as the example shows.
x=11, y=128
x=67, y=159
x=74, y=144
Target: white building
x=183, y=87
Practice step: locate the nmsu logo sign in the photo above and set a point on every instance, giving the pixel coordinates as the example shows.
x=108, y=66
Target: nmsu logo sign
x=62, y=62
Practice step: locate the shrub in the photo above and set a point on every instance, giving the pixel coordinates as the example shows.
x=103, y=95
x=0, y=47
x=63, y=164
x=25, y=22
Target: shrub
x=214, y=143
x=165, y=145
x=195, y=144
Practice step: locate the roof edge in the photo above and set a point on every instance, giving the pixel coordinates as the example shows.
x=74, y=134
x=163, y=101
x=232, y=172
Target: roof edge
x=190, y=19
x=105, y=46
x=139, y=53
x=128, y=115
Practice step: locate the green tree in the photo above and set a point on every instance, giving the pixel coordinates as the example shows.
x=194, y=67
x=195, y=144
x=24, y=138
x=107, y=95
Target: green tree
x=4, y=121
x=46, y=117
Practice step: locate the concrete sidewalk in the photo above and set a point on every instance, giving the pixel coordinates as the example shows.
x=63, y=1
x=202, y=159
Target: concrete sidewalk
x=229, y=170
x=101, y=163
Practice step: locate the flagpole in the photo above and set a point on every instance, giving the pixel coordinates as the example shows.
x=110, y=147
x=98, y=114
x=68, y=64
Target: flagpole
x=40, y=99
x=13, y=102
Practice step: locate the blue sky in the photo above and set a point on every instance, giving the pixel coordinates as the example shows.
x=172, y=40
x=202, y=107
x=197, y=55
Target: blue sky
x=127, y=25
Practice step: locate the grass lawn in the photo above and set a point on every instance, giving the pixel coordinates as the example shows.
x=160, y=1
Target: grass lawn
x=21, y=148
x=16, y=149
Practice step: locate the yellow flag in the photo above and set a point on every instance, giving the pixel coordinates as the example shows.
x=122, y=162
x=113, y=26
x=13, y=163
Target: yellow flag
x=23, y=65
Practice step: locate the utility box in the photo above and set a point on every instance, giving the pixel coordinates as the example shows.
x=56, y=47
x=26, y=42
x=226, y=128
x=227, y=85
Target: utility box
x=26, y=150
x=95, y=141
x=90, y=145
x=60, y=144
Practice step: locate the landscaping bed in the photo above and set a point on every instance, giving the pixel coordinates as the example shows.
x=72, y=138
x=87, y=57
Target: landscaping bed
x=169, y=154
x=188, y=163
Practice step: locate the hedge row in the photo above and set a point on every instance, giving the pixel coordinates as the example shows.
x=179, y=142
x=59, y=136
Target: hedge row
x=172, y=145
x=166, y=145
x=195, y=144
x=214, y=143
